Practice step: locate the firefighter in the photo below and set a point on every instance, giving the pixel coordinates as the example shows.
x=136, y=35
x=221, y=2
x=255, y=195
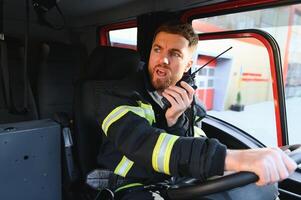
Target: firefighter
x=145, y=142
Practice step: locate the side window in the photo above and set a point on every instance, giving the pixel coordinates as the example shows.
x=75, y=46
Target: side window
x=122, y=35
x=237, y=87
x=125, y=38
x=242, y=85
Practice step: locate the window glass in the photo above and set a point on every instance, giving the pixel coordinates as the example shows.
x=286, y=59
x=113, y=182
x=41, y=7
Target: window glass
x=211, y=72
x=284, y=24
x=210, y=83
x=202, y=72
x=237, y=87
x=125, y=38
x=201, y=84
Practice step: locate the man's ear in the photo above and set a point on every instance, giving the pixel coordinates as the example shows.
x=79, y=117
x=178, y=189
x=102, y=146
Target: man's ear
x=188, y=66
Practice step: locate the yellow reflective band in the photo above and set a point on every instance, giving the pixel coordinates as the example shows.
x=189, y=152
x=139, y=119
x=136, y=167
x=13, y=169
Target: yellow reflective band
x=115, y=115
x=145, y=111
x=156, y=152
x=128, y=186
x=123, y=167
x=149, y=112
x=198, y=132
x=168, y=153
x=162, y=152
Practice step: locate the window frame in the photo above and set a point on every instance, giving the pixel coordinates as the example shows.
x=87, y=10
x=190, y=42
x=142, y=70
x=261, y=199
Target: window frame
x=231, y=7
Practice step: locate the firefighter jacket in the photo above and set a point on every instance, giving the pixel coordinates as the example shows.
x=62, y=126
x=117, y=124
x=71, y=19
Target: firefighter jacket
x=137, y=143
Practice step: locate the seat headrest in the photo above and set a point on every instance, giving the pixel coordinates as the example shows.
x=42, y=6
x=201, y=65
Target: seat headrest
x=62, y=52
x=111, y=63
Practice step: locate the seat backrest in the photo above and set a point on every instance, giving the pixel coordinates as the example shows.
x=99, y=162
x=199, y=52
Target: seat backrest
x=105, y=63
x=58, y=71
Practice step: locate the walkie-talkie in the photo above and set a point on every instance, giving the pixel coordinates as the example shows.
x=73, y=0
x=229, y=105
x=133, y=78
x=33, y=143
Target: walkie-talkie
x=189, y=78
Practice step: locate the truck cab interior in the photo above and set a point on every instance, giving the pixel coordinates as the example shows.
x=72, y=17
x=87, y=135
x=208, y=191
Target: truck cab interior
x=57, y=55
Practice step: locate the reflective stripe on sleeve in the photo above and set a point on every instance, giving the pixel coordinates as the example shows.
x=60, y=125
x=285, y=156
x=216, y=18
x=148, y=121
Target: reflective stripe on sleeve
x=149, y=112
x=145, y=111
x=123, y=167
x=198, y=132
x=116, y=114
x=162, y=151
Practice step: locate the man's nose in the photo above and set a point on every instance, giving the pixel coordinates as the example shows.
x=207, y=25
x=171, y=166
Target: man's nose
x=164, y=59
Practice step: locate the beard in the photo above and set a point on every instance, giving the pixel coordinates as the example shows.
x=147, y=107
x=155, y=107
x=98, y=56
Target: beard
x=161, y=83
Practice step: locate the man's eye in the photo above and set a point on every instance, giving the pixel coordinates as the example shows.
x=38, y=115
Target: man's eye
x=175, y=54
x=156, y=49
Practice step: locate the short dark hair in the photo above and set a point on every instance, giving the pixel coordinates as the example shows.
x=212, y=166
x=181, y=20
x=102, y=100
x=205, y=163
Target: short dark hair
x=179, y=28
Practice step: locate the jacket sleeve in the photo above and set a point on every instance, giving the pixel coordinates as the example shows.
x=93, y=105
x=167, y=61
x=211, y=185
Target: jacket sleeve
x=131, y=131
x=181, y=127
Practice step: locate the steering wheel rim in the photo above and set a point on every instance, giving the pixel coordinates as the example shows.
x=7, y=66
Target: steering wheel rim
x=223, y=183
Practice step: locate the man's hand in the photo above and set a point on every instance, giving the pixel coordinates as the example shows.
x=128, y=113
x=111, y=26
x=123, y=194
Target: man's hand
x=180, y=99
x=269, y=164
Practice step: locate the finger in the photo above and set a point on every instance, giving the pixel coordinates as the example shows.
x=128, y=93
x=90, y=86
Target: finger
x=170, y=98
x=175, y=94
x=183, y=94
x=187, y=95
x=282, y=170
x=188, y=88
x=273, y=172
x=264, y=176
x=176, y=99
x=181, y=91
x=289, y=163
x=267, y=175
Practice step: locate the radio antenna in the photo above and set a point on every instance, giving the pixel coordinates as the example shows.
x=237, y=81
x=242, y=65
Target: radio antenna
x=193, y=74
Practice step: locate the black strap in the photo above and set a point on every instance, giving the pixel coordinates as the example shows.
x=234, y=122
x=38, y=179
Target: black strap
x=33, y=101
x=5, y=75
x=26, y=82
x=9, y=100
x=1, y=19
x=8, y=91
x=192, y=117
x=6, y=79
x=3, y=58
x=28, y=93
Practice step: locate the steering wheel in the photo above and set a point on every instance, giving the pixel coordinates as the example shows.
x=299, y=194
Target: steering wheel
x=195, y=189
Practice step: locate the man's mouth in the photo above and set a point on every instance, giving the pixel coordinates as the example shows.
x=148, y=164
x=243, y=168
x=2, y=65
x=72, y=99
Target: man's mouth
x=161, y=77
x=160, y=72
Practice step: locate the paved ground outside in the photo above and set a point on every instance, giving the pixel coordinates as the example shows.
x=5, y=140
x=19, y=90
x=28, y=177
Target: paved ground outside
x=259, y=120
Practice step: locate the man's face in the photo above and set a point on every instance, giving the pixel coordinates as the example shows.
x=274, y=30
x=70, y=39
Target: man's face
x=170, y=57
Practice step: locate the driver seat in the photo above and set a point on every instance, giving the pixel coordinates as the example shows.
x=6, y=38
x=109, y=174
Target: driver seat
x=104, y=64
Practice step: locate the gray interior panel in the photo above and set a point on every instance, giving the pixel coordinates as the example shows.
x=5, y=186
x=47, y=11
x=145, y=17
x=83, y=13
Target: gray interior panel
x=30, y=160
